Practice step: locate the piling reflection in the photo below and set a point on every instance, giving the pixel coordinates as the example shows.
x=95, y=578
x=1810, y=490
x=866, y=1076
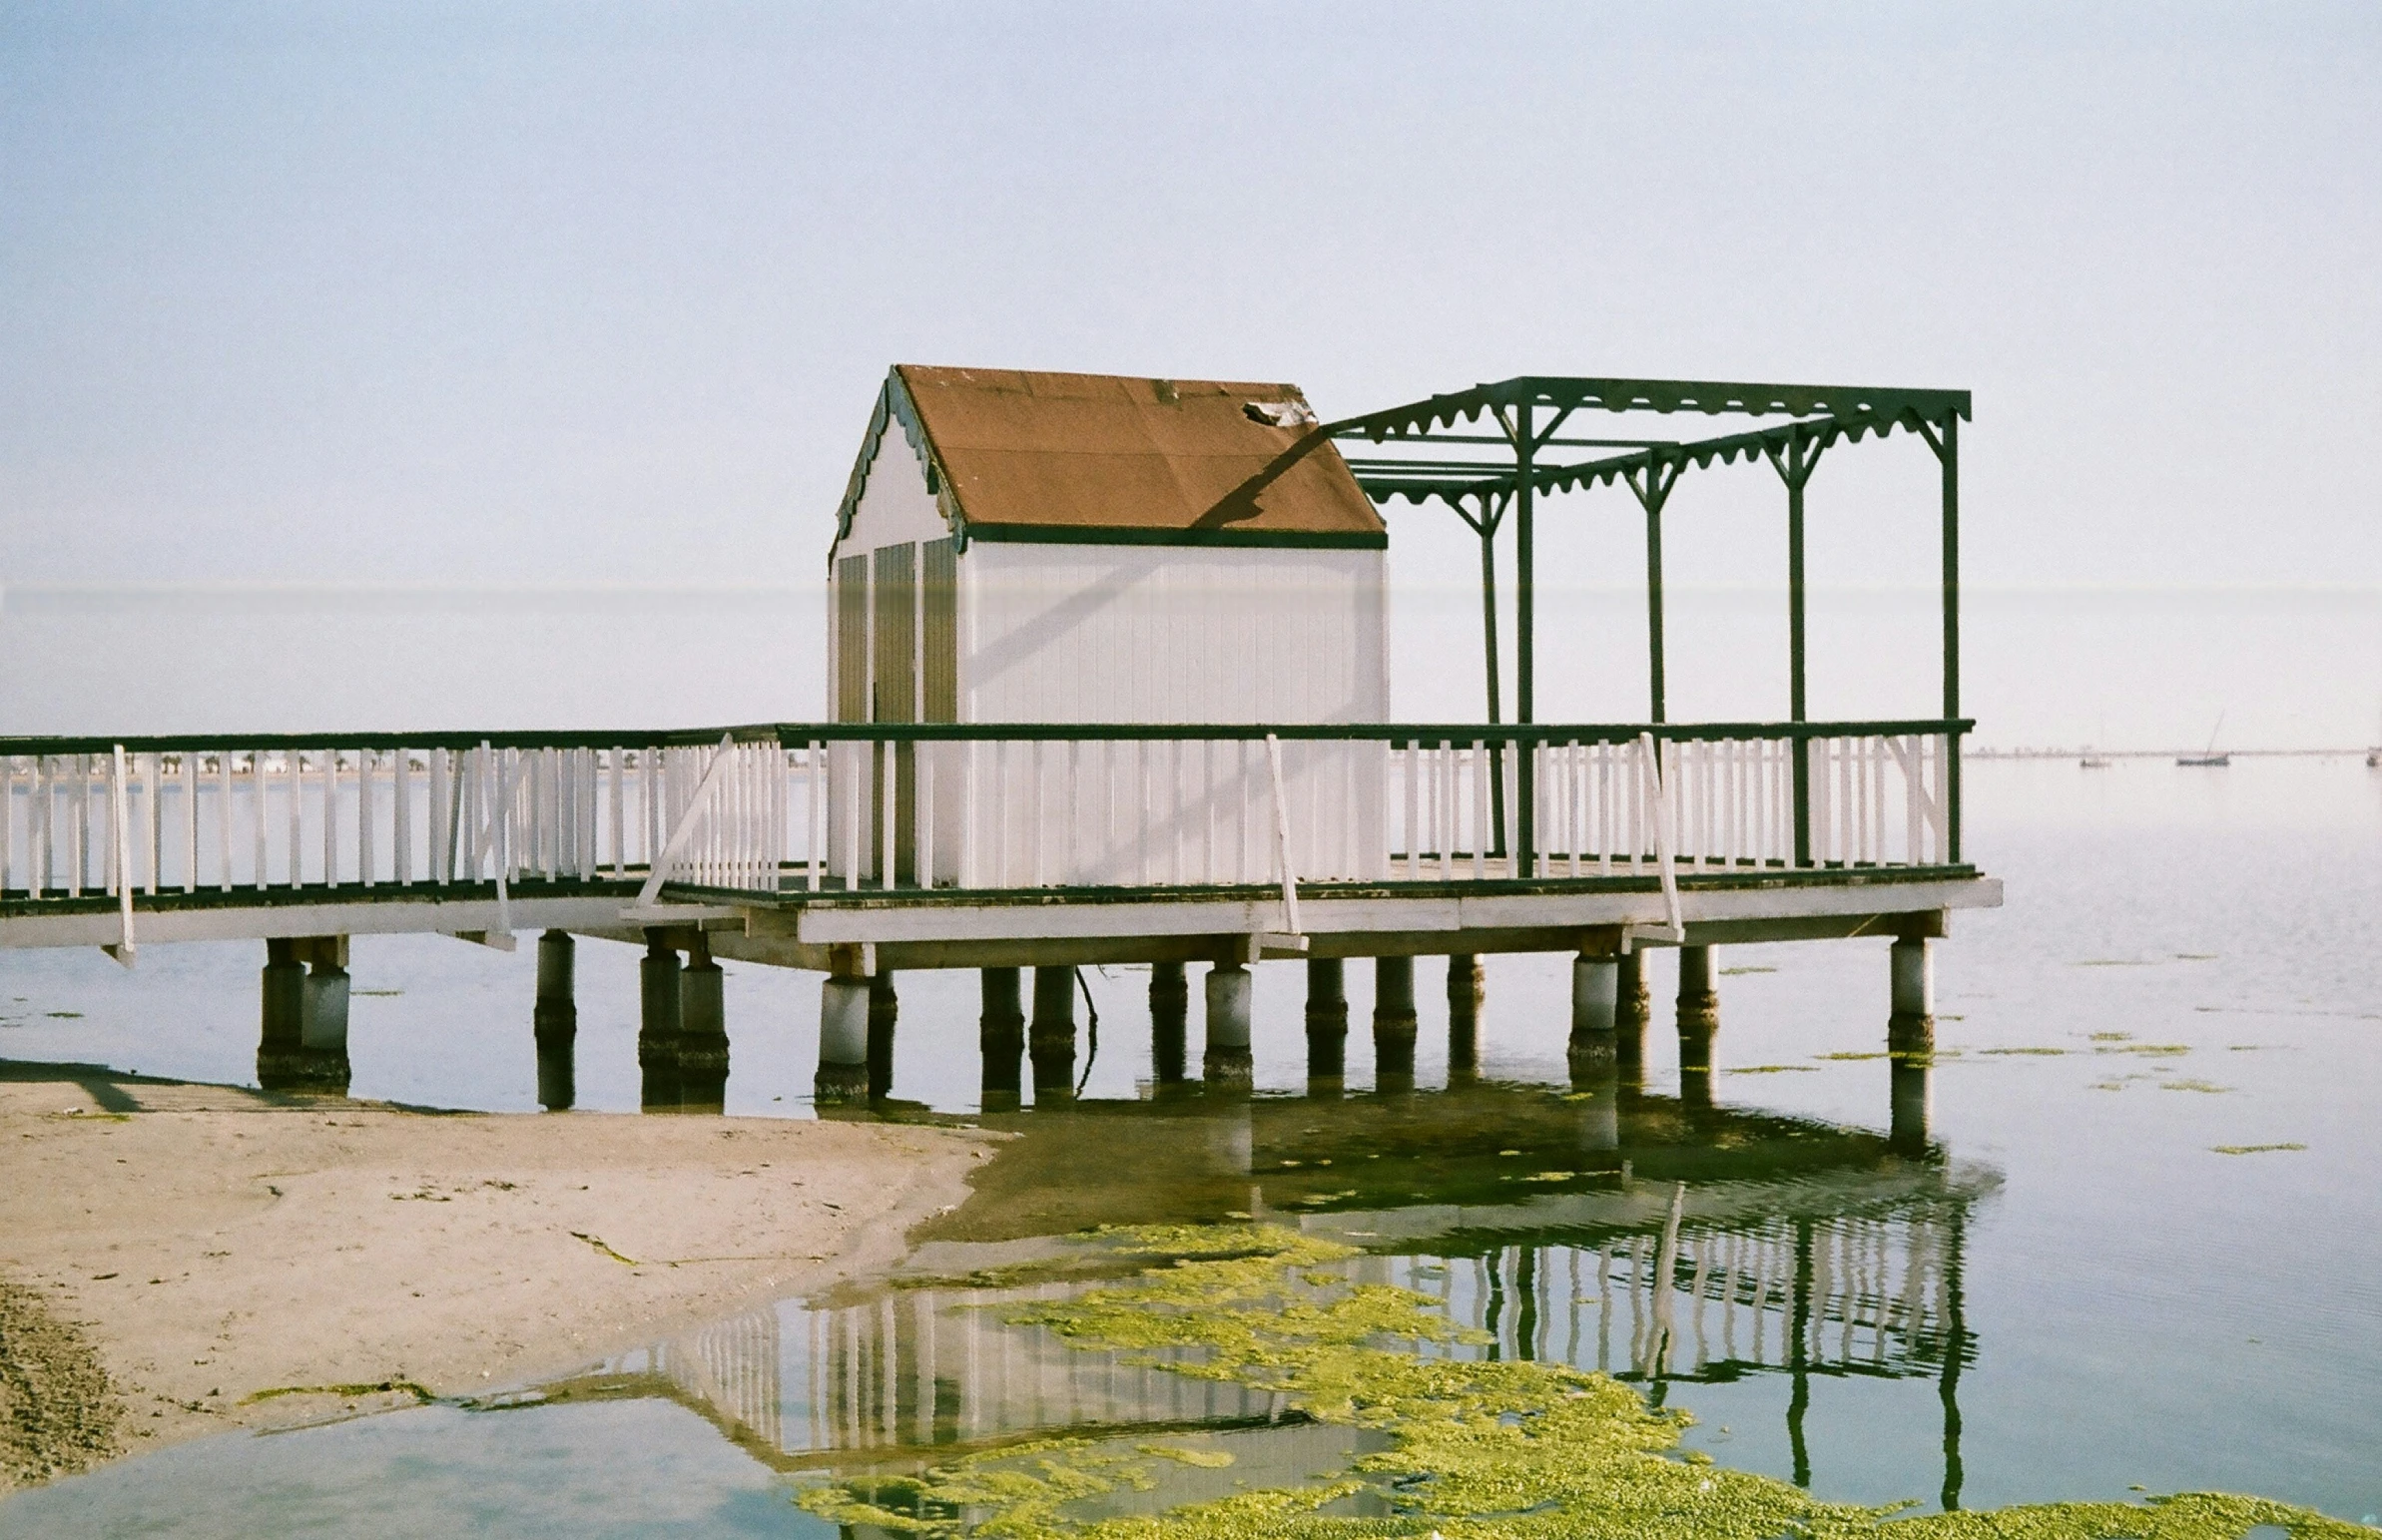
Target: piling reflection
x=1655, y=1238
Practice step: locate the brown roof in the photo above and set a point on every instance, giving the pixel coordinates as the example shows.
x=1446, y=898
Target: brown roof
x=1034, y=453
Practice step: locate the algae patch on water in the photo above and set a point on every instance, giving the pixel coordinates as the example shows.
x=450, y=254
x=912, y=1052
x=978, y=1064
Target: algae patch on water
x=1460, y=1446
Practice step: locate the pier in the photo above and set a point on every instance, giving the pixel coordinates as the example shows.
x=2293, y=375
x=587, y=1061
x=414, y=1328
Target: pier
x=934, y=822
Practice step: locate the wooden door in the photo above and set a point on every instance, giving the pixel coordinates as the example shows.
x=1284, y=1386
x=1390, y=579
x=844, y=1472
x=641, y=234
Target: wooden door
x=852, y=639
x=938, y=627
x=894, y=692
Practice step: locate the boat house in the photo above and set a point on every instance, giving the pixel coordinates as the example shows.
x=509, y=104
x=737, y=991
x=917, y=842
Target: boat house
x=1022, y=547
x=1033, y=547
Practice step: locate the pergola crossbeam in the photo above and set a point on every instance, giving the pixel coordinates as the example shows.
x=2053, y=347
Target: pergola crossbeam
x=1530, y=413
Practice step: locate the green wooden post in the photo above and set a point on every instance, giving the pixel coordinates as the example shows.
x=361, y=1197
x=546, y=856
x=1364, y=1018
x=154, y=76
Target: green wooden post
x=1795, y=469
x=1796, y=473
x=1652, y=491
x=1654, y=613
x=1949, y=454
x=1489, y=519
x=1488, y=601
x=1524, y=618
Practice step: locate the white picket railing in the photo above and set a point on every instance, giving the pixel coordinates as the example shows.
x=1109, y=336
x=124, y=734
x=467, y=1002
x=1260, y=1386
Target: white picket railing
x=1876, y=801
x=753, y=813
x=228, y=820
x=1881, y=800
x=1122, y=811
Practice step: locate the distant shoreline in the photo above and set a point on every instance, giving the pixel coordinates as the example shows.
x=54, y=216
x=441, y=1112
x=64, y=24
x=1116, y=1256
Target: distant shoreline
x=2161, y=754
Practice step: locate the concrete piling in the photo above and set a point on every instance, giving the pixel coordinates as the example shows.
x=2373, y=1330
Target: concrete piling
x=302, y=1043
x=323, y=1027
x=843, y=1075
x=1394, y=1023
x=1911, y=1026
x=1050, y=1038
x=279, y=1041
x=1595, y=982
x=1911, y=1042
x=1467, y=988
x=1699, y=1018
x=554, y=1021
x=1170, y=1020
x=1632, y=1009
x=1000, y=1035
x=884, y=1012
x=1699, y=1004
x=1327, y=1023
x=1632, y=1000
x=659, y=1002
x=702, y=1031
x=1226, y=1064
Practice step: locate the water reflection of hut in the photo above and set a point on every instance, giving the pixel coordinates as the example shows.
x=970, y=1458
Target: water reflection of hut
x=1656, y=1240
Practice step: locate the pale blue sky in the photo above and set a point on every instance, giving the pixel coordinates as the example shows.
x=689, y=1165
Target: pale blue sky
x=528, y=293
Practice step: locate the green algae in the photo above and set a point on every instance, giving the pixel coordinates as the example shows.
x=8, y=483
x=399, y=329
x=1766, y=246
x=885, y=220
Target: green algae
x=1473, y=1447
x=2252, y=1149
x=602, y=1249
x=421, y=1395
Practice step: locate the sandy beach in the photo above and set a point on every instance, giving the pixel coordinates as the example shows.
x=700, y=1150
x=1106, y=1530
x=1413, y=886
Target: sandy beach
x=228, y=1259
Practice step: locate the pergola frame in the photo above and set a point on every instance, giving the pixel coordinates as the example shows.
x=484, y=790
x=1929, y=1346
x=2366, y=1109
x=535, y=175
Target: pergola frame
x=1507, y=471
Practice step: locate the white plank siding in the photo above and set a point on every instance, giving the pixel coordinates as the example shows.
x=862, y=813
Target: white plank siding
x=1174, y=634
x=1177, y=634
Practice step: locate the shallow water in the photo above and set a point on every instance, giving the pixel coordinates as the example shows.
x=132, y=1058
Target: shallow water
x=2120, y=1303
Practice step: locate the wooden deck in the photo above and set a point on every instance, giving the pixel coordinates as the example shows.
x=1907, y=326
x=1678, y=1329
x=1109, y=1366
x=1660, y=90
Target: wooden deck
x=833, y=846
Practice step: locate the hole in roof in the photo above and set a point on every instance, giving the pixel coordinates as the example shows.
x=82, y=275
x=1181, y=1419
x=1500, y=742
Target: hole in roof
x=1279, y=414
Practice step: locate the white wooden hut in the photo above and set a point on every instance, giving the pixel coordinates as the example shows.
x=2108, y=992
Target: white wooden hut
x=1018, y=547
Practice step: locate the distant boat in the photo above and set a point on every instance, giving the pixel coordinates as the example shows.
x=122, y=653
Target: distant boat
x=2373, y=759
x=2209, y=756
x=2093, y=761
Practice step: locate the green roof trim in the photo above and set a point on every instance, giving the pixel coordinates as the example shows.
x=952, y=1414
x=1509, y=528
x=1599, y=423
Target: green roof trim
x=1083, y=534
x=893, y=406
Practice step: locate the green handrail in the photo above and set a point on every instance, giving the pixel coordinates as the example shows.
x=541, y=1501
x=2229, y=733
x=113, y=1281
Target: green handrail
x=1397, y=733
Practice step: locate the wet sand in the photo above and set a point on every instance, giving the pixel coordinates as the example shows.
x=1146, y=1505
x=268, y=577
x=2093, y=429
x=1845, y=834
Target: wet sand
x=211, y=1246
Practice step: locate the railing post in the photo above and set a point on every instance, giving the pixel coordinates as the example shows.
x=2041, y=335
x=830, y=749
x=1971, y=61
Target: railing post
x=1952, y=738
x=1526, y=809
x=120, y=856
x=1799, y=756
